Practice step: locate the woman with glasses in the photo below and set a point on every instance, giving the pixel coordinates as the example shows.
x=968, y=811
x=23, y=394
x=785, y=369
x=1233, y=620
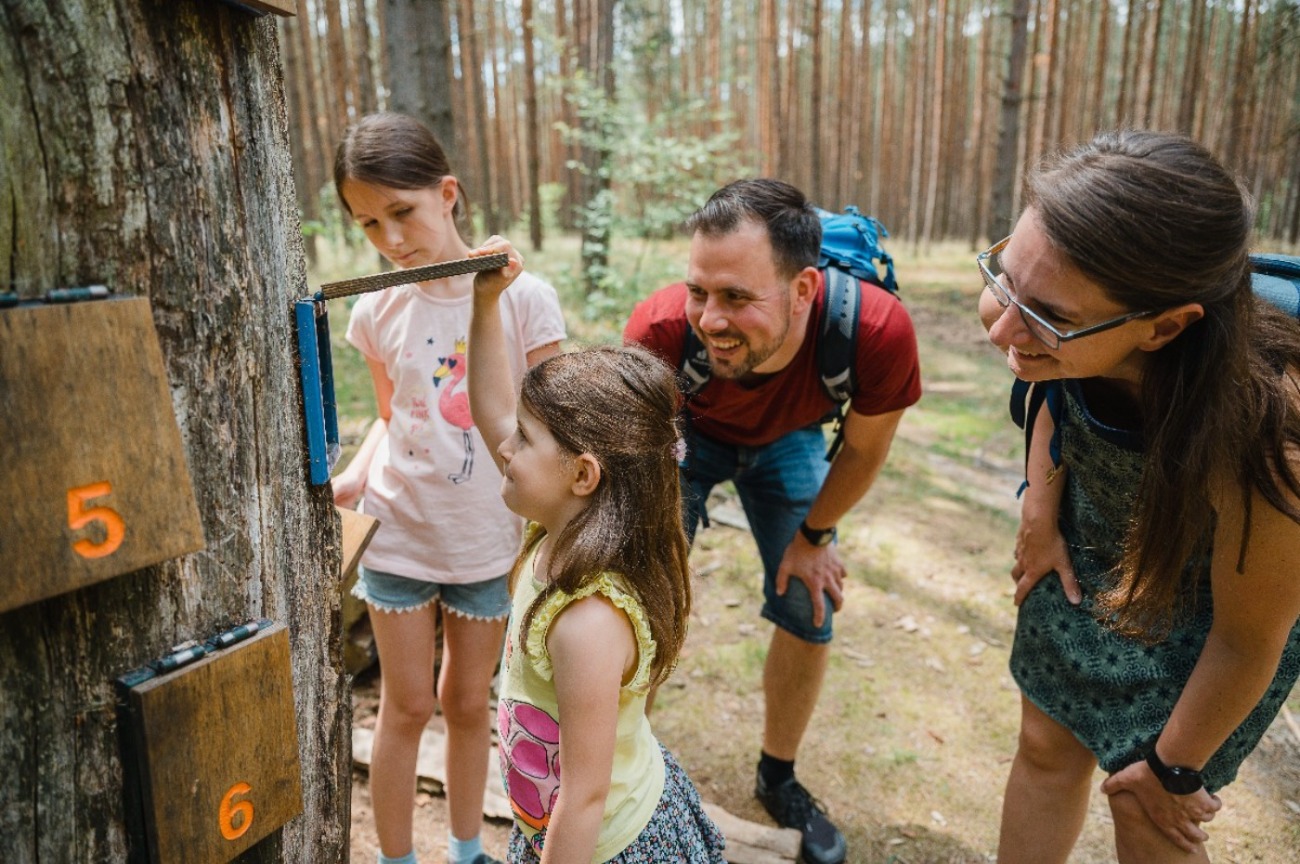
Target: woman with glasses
x=1170, y=640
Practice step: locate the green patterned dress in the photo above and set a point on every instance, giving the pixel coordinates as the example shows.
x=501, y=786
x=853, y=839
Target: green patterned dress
x=1113, y=693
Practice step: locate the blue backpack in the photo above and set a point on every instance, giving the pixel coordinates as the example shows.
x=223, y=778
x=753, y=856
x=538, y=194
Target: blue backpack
x=849, y=254
x=1275, y=278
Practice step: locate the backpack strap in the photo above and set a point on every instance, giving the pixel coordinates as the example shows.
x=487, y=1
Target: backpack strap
x=837, y=344
x=694, y=367
x=1026, y=401
x=1276, y=278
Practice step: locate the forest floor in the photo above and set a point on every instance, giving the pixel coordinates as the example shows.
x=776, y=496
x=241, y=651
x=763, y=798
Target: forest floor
x=913, y=737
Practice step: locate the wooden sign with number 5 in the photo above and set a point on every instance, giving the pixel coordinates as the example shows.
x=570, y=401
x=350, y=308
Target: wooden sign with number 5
x=93, y=468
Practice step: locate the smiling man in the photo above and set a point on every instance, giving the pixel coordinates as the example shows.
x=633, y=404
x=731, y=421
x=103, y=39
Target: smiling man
x=753, y=296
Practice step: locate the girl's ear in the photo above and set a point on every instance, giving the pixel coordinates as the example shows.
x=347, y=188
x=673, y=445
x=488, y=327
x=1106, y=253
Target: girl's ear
x=1169, y=323
x=586, y=475
x=450, y=191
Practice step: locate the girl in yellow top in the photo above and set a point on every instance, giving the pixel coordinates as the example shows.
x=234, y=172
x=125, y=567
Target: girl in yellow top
x=601, y=596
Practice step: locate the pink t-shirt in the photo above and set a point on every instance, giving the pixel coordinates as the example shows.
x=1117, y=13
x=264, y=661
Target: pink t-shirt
x=432, y=483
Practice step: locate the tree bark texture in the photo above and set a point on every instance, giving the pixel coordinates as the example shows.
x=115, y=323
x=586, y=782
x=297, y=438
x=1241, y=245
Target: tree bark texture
x=143, y=146
x=420, y=79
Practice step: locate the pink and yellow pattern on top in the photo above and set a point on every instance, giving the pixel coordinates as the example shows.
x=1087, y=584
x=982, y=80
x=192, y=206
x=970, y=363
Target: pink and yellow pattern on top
x=530, y=760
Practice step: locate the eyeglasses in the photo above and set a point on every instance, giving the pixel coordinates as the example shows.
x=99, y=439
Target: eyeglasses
x=1041, y=330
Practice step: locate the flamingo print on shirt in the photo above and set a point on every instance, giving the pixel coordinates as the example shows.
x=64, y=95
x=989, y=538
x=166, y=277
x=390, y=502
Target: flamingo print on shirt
x=454, y=405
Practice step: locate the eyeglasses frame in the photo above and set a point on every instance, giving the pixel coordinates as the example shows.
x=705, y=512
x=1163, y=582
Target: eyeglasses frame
x=1033, y=321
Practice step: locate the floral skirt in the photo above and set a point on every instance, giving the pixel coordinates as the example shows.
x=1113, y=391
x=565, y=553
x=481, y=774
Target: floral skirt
x=679, y=831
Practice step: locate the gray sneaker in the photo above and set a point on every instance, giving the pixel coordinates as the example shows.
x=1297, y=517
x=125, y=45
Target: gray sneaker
x=792, y=806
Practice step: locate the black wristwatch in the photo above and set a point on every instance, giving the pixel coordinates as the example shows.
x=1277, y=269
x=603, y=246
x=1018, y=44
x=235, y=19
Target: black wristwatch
x=823, y=537
x=1176, y=780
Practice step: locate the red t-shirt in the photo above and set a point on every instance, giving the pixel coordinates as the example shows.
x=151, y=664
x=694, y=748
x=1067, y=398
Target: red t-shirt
x=754, y=414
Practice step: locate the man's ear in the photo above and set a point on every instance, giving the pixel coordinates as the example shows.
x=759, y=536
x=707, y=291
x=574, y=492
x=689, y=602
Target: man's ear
x=1171, y=322
x=804, y=287
x=586, y=475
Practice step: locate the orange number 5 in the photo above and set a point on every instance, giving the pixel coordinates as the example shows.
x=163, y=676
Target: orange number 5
x=79, y=516
x=228, y=811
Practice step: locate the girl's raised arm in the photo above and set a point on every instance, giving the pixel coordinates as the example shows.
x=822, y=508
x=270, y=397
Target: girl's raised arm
x=491, y=386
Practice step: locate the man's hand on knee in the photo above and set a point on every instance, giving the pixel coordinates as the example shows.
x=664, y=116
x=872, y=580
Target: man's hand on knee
x=819, y=568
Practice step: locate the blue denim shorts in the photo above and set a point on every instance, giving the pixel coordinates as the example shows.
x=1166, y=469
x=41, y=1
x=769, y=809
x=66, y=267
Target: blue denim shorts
x=488, y=600
x=777, y=484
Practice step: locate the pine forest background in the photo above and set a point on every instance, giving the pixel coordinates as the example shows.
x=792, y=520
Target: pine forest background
x=618, y=117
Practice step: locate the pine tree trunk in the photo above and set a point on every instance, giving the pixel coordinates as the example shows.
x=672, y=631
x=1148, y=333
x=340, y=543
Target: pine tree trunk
x=1005, y=174
x=532, y=135
x=153, y=159
x=420, y=80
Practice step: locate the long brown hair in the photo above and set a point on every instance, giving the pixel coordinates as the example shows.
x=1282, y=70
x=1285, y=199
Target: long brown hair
x=397, y=151
x=621, y=406
x=1157, y=221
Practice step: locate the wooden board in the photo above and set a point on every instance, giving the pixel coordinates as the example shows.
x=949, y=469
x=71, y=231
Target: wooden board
x=216, y=745
x=358, y=528
x=95, y=476
x=283, y=8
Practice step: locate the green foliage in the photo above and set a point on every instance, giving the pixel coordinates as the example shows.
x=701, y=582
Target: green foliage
x=643, y=181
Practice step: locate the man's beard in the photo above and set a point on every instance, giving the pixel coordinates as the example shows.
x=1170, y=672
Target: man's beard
x=754, y=356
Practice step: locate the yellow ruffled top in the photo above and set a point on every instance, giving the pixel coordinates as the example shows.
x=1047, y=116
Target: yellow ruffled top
x=611, y=585
x=529, y=727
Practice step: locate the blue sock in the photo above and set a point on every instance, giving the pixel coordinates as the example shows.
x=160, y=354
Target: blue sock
x=463, y=851
x=408, y=858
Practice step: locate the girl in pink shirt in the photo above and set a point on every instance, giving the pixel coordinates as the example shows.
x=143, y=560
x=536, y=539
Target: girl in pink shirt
x=445, y=539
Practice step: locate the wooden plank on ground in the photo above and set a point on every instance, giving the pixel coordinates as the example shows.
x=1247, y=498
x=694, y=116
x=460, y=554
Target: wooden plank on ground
x=747, y=842
x=751, y=843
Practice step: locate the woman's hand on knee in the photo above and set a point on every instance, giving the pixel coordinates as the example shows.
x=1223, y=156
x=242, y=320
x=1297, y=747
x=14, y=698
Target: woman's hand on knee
x=1135, y=792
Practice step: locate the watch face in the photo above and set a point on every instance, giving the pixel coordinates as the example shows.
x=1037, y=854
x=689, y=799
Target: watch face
x=1175, y=780
x=1181, y=781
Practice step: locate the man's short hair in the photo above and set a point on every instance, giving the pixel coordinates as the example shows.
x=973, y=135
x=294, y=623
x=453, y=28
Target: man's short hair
x=792, y=224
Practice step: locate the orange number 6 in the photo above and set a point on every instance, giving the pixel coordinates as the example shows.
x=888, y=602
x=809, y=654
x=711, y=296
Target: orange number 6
x=79, y=516
x=228, y=811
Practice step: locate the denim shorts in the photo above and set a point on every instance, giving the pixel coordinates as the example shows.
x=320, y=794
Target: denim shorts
x=488, y=600
x=777, y=484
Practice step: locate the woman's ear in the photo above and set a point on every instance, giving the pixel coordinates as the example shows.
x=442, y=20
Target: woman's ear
x=586, y=475
x=1171, y=322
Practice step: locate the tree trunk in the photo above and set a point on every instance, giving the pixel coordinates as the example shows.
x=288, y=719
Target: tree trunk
x=302, y=130
x=769, y=90
x=1005, y=175
x=420, y=78
x=937, y=97
x=817, y=185
x=341, y=75
x=532, y=135
x=598, y=208
x=367, y=98
x=153, y=159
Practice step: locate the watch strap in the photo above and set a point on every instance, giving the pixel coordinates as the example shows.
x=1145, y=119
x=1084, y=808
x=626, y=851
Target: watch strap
x=815, y=536
x=1175, y=779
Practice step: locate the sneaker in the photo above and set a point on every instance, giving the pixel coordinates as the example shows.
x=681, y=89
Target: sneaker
x=792, y=806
